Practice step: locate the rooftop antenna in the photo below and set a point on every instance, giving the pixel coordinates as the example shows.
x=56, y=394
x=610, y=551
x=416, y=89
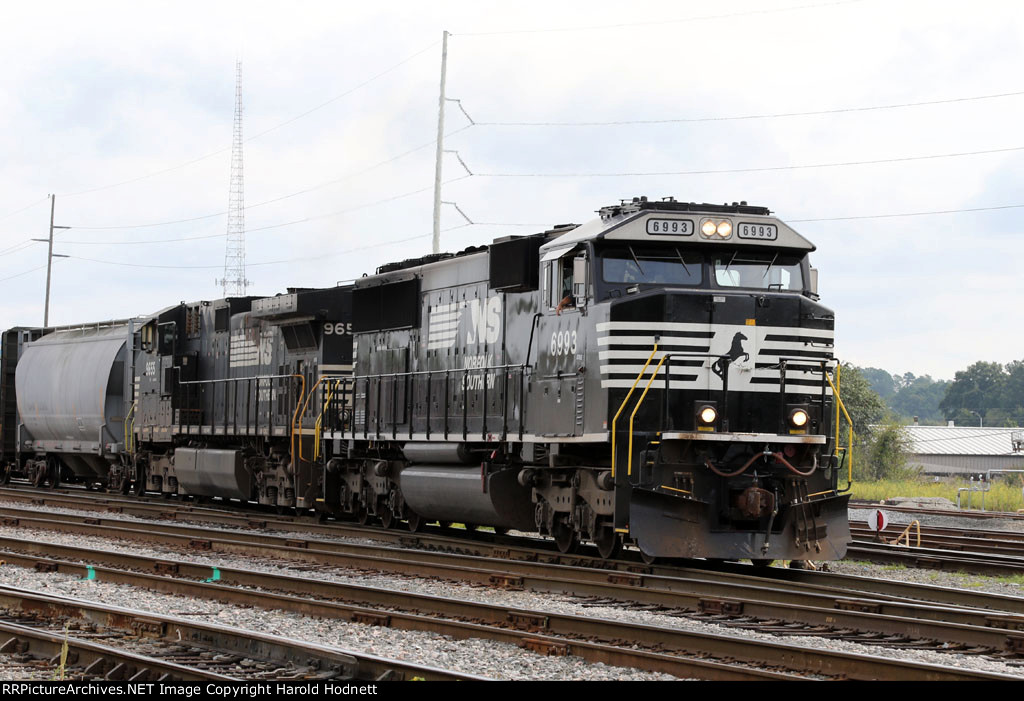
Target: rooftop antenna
x=234, y=282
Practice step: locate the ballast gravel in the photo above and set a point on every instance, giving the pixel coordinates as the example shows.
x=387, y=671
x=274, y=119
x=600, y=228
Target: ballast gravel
x=476, y=656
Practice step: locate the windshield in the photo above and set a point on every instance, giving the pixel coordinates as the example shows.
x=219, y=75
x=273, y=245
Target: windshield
x=654, y=266
x=760, y=270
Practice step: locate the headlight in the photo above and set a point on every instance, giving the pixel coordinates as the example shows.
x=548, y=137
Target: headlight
x=798, y=417
x=716, y=228
x=708, y=415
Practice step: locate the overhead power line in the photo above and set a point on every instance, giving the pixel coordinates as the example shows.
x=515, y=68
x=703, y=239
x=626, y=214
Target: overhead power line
x=909, y=214
x=41, y=267
x=298, y=259
x=254, y=136
x=658, y=22
x=28, y=206
x=469, y=223
x=716, y=171
x=262, y=203
x=736, y=118
x=268, y=227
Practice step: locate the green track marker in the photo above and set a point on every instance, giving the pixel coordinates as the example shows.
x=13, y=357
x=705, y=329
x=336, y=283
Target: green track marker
x=215, y=577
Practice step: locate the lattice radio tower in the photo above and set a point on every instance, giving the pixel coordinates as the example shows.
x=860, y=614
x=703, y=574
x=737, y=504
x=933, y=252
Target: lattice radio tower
x=234, y=281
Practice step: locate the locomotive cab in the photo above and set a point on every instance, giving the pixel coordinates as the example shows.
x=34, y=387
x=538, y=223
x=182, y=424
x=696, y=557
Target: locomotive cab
x=715, y=356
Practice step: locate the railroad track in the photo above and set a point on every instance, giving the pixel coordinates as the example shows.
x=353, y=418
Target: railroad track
x=144, y=646
x=525, y=549
x=958, y=513
x=999, y=563
x=852, y=619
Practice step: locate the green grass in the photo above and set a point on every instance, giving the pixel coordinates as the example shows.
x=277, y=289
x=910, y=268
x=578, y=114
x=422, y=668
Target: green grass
x=1002, y=496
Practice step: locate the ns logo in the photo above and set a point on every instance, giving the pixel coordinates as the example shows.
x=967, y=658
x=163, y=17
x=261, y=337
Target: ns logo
x=485, y=320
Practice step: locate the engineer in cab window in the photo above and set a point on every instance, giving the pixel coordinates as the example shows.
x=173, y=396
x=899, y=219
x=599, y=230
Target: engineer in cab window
x=568, y=300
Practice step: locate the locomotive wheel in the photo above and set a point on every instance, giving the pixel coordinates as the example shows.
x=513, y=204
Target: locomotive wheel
x=565, y=537
x=500, y=531
x=138, y=486
x=444, y=524
x=362, y=515
x=387, y=517
x=414, y=521
x=608, y=543
x=761, y=562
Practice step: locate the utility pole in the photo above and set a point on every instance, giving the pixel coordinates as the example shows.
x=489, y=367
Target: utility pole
x=440, y=146
x=49, y=264
x=49, y=260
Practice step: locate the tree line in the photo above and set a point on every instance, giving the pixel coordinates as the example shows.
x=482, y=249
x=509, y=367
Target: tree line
x=881, y=403
x=989, y=394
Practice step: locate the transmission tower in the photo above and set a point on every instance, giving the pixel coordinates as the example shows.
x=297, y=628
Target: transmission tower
x=234, y=281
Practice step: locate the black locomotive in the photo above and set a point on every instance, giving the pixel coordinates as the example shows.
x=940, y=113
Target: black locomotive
x=658, y=376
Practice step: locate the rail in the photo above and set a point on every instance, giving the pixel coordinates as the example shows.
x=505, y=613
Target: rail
x=377, y=421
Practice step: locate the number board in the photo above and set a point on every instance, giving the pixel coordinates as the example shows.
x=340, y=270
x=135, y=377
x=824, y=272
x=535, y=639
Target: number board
x=670, y=227
x=767, y=232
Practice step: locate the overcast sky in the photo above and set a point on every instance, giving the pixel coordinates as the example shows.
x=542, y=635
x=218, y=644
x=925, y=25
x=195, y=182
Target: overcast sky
x=124, y=110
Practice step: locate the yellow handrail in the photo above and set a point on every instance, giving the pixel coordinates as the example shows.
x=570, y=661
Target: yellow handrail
x=629, y=453
x=623, y=405
x=129, y=436
x=836, y=389
x=296, y=416
x=319, y=419
x=849, y=448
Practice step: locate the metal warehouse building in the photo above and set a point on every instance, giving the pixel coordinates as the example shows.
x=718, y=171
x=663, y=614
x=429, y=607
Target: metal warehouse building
x=943, y=450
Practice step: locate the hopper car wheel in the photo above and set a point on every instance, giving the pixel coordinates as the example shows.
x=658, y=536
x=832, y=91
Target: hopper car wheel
x=565, y=537
x=362, y=515
x=761, y=562
x=500, y=531
x=38, y=477
x=5, y=475
x=139, y=486
x=647, y=558
x=444, y=524
x=608, y=543
x=285, y=510
x=414, y=521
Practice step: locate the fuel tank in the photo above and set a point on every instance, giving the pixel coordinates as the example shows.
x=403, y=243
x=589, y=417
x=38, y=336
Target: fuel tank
x=465, y=495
